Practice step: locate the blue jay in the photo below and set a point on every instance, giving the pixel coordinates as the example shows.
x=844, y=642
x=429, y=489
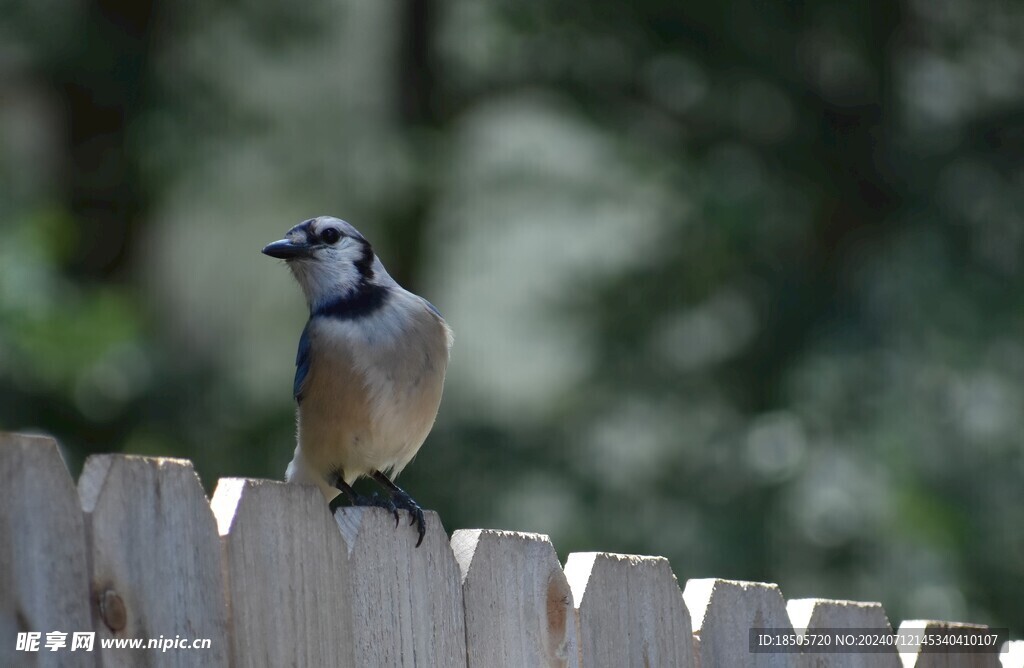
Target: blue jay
x=369, y=370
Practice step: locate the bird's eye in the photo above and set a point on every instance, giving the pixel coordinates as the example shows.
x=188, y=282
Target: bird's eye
x=330, y=235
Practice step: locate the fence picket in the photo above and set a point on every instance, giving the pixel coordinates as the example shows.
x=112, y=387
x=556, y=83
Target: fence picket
x=810, y=614
x=517, y=600
x=155, y=560
x=413, y=595
x=287, y=571
x=628, y=611
x=724, y=611
x=937, y=656
x=1012, y=654
x=44, y=581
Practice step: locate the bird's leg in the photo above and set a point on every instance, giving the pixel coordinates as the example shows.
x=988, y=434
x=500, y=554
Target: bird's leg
x=401, y=499
x=337, y=480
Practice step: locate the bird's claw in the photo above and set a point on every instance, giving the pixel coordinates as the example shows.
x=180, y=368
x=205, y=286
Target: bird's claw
x=405, y=502
x=386, y=503
x=375, y=500
x=399, y=501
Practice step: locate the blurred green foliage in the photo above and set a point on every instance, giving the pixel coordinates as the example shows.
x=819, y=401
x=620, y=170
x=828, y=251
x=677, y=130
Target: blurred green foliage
x=738, y=283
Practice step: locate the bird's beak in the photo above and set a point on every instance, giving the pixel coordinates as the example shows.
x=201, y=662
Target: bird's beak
x=285, y=249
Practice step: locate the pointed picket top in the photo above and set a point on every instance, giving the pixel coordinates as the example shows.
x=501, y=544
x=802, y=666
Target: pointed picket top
x=939, y=655
x=724, y=612
x=1012, y=655
x=287, y=575
x=155, y=559
x=44, y=581
x=818, y=614
x=412, y=596
x=628, y=611
x=517, y=600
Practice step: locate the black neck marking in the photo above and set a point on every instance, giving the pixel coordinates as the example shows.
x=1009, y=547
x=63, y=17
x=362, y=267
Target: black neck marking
x=364, y=265
x=365, y=299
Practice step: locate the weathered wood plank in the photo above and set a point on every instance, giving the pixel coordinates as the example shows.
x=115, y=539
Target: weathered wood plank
x=812, y=614
x=937, y=656
x=409, y=598
x=1012, y=654
x=287, y=576
x=628, y=611
x=155, y=560
x=44, y=581
x=148, y=559
x=724, y=611
x=517, y=600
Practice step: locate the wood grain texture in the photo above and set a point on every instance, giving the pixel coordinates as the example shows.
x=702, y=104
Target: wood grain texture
x=409, y=598
x=44, y=581
x=155, y=560
x=287, y=575
x=518, y=603
x=724, y=611
x=628, y=611
x=940, y=657
x=273, y=579
x=810, y=614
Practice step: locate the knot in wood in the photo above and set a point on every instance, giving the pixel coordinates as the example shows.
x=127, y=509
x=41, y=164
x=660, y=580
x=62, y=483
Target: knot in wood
x=112, y=610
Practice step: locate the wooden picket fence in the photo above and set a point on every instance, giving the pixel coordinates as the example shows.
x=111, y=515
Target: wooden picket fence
x=271, y=578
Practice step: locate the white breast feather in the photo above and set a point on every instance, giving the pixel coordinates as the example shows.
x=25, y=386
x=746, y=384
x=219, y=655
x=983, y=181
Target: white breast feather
x=389, y=350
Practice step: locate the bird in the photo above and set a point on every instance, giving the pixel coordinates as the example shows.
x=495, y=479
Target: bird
x=369, y=371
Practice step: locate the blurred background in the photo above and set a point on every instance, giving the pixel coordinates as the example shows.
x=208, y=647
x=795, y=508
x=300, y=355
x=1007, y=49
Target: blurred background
x=738, y=283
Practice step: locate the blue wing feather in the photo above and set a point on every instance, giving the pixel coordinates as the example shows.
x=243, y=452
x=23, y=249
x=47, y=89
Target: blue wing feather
x=301, y=363
x=432, y=308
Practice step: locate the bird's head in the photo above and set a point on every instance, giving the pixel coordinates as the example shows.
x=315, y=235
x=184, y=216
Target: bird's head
x=329, y=258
